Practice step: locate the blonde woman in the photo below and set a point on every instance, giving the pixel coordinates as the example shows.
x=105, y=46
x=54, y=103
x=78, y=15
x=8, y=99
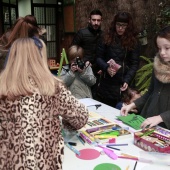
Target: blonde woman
x=31, y=102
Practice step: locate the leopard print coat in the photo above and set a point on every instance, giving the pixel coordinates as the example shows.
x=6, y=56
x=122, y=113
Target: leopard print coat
x=30, y=130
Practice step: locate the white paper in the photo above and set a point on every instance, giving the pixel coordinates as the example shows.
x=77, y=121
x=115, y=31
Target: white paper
x=89, y=102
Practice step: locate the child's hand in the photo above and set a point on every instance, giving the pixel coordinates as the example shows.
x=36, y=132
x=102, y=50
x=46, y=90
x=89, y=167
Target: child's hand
x=74, y=67
x=125, y=109
x=88, y=64
x=151, y=121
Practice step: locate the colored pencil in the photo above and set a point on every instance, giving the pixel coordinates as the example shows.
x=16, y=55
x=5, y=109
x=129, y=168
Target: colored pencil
x=113, y=148
x=114, y=144
x=125, y=157
x=135, y=165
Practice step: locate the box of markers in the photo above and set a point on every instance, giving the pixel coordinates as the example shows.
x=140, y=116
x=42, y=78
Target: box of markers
x=155, y=139
x=98, y=128
x=103, y=133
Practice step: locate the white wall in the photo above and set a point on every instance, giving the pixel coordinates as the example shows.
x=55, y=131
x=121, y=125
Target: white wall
x=24, y=7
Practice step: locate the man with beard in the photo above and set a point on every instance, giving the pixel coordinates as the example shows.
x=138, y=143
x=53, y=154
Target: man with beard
x=88, y=38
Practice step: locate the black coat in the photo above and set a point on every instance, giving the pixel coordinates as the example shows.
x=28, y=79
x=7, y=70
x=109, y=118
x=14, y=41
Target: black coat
x=156, y=101
x=88, y=39
x=129, y=61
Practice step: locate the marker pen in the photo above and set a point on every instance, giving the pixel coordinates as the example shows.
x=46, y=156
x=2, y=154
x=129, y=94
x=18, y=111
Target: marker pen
x=73, y=149
x=87, y=139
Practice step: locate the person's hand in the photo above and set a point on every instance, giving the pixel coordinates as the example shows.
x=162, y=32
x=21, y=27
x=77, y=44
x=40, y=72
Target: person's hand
x=88, y=64
x=111, y=71
x=151, y=121
x=124, y=87
x=99, y=72
x=114, y=65
x=80, y=70
x=125, y=109
x=74, y=67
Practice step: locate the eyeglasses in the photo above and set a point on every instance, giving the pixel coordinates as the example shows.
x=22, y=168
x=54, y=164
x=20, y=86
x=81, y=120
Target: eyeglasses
x=118, y=24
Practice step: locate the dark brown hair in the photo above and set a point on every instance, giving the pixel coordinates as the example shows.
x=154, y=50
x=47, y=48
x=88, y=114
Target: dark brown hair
x=23, y=27
x=129, y=38
x=128, y=94
x=163, y=33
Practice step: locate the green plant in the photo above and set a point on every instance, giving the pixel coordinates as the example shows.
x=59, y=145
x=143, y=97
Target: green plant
x=163, y=19
x=143, y=75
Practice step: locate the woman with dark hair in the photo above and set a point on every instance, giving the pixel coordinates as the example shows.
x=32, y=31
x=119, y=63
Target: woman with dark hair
x=118, y=58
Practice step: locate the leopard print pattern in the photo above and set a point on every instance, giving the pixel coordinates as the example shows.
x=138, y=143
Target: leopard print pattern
x=30, y=130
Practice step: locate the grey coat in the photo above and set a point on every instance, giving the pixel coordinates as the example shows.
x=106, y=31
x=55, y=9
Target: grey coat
x=79, y=83
x=157, y=100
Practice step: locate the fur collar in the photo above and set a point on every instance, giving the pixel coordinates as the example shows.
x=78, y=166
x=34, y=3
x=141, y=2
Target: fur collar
x=161, y=70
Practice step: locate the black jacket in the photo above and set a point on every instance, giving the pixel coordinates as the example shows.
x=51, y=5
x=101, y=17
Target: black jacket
x=129, y=61
x=88, y=38
x=156, y=101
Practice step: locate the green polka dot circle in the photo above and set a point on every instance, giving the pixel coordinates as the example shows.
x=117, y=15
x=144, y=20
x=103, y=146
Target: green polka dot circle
x=107, y=166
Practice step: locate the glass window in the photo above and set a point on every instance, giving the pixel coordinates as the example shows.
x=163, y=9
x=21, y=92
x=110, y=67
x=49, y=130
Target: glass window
x=51, y=2
x=6, y=15
x=39, y=14
x=6, y=1
x=13, y=2
x=38, y=1
x=13, y=15
x=50, y=16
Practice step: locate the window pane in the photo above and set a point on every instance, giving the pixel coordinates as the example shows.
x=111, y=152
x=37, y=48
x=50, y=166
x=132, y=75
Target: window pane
x=38, y=1
x=51, y=49
x=13, y=15
x=51, y=33
x=6, y=27
x=39, y=14
x=6, y=15
x=13, y=2
x=50, y=16
x=6, y=1
x=51, y=1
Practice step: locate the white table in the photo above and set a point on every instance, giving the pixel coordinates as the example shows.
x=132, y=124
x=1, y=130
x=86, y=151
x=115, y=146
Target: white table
x=71, y=162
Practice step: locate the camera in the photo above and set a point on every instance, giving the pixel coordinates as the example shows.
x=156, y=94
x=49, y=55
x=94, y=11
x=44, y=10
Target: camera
x=80, y=63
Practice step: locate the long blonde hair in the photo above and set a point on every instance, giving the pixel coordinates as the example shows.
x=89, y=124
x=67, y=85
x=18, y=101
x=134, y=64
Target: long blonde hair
x=26, y=61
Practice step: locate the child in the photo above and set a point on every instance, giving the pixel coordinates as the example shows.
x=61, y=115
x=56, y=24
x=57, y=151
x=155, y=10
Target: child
x=128, y=96
x=78, y=76
x=154, y=105
x=32, y=101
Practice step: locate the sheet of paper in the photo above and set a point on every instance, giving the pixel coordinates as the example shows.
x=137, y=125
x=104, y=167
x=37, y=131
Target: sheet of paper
x=89, y=102
x=132, y=120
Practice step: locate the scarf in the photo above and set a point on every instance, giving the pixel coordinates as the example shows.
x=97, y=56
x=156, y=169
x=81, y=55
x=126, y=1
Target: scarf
x=161, y=70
